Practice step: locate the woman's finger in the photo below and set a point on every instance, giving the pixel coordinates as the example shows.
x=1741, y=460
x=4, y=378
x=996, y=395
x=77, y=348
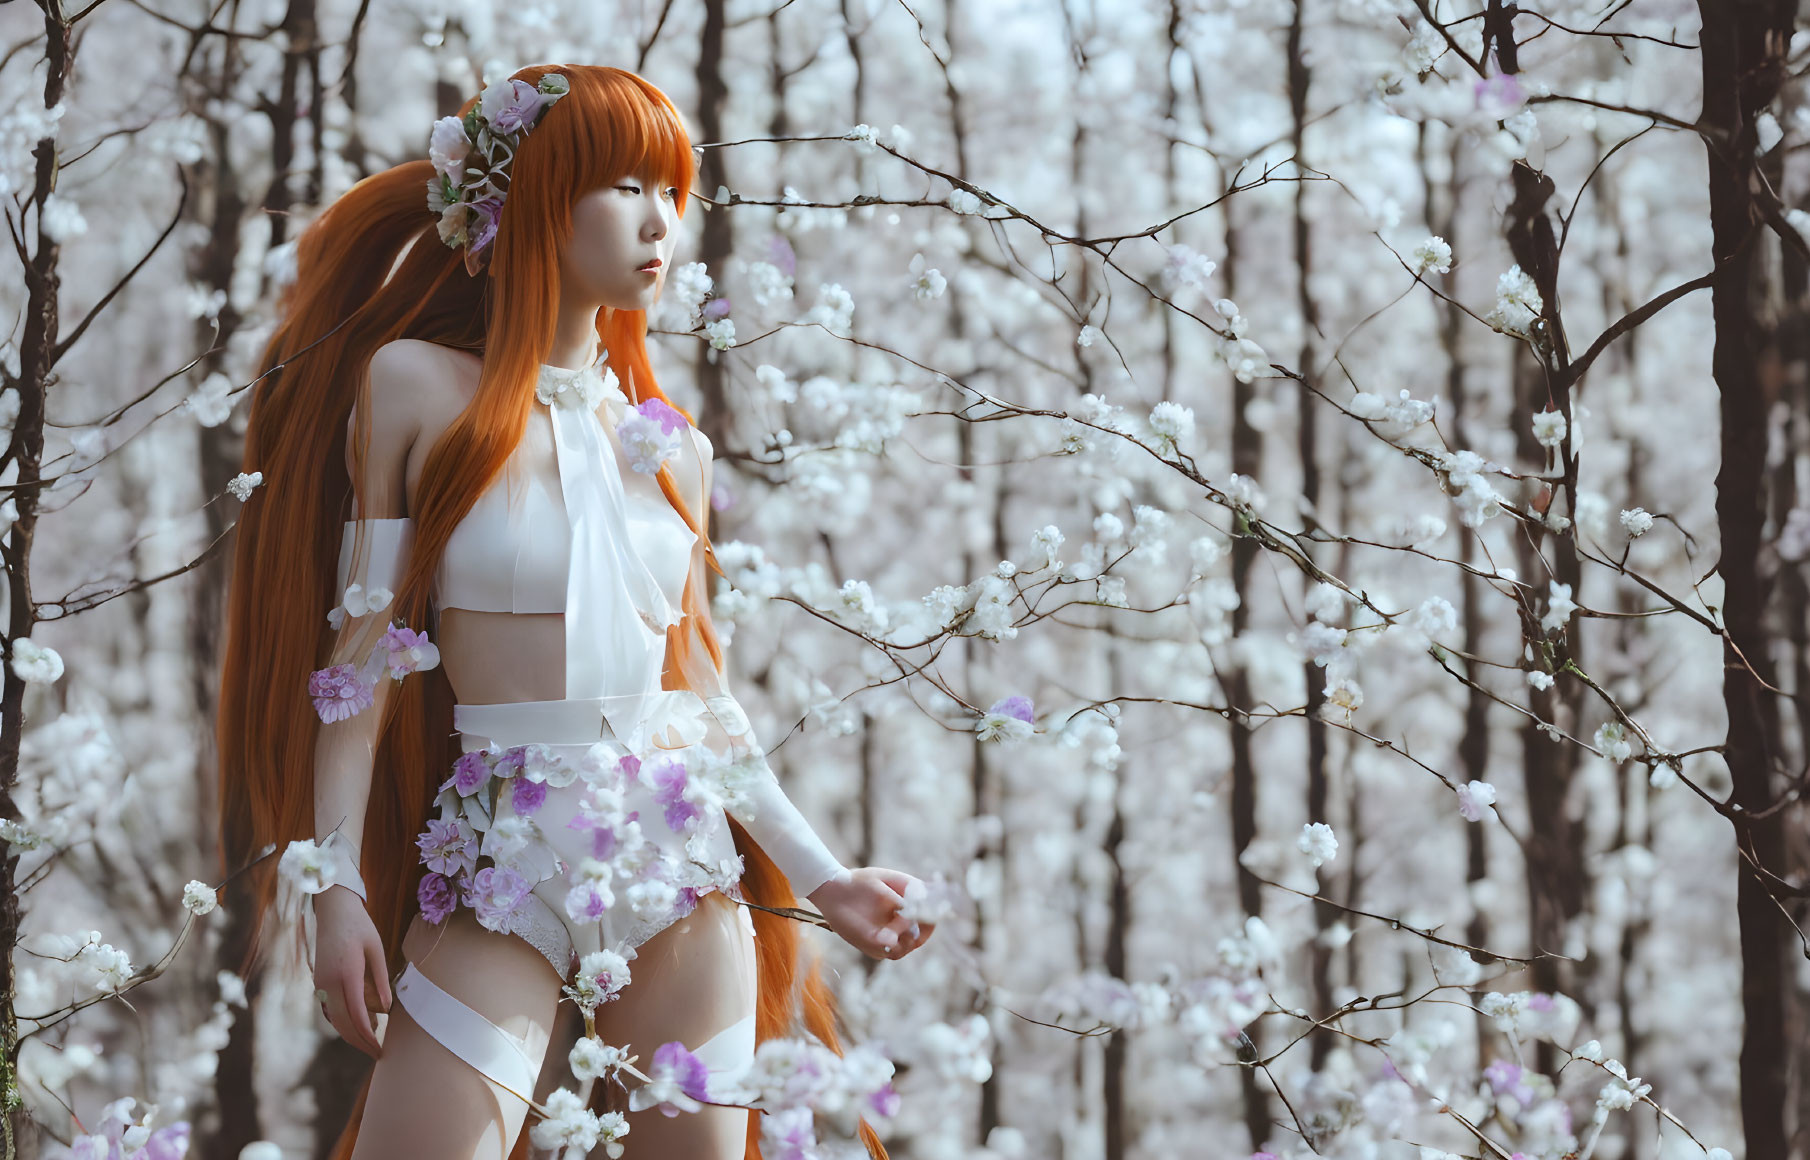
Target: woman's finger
x=380, y=975
x=364, y=1035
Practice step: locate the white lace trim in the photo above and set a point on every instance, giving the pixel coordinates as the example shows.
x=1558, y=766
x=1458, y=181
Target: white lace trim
x=582, y=389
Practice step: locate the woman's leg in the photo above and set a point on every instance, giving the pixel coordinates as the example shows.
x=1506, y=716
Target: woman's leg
x=692, y=980
x=424, y=1100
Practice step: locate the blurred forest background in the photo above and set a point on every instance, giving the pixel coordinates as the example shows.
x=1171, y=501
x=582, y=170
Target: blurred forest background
x=1373, y=435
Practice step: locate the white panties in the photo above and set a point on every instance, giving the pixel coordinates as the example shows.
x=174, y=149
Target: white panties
x=502, y=1058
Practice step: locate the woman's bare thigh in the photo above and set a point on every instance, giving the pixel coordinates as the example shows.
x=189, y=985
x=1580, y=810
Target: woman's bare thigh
x=693, y=979
x=425, y=1101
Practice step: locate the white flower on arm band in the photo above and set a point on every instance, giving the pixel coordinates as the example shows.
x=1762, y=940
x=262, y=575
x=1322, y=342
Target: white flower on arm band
x=314, y=868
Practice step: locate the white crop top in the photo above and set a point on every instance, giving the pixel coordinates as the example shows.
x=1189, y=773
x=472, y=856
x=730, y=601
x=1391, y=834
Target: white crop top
x=513, y=549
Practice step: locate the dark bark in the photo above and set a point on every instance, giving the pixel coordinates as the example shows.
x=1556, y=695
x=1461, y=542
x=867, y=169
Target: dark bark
x=37, y=340
x=1744, y=55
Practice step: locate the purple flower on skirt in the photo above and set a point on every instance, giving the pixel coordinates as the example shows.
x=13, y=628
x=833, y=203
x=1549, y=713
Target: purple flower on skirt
x=470, y=772
x=339, y=692
x=511, y=761
x=527, y=796
x=668, y=781
x=497, y=894
x=437, y=897
x=448, y=848
x=586, y=903
x=603, y=835
x=685, y=902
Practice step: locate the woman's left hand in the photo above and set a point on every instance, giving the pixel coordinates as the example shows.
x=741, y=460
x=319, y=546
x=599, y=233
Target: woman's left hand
x=862, y=906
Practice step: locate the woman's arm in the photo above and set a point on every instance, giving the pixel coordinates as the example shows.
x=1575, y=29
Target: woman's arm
x=350, y=969
x=860, y=905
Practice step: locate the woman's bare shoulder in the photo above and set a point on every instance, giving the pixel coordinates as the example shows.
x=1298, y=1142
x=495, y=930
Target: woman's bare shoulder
x=430, y=381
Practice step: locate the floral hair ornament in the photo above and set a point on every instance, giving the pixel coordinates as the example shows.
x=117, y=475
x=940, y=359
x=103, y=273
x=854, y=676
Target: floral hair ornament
x=472, y=157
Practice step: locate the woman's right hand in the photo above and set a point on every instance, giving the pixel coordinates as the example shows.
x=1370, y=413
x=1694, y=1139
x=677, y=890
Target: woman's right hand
x=349, y=967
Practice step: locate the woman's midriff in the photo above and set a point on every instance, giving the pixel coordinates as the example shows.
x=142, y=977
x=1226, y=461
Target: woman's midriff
x=495, y=658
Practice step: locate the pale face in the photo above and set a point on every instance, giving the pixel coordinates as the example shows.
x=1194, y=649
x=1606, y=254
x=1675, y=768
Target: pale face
x=615, y=230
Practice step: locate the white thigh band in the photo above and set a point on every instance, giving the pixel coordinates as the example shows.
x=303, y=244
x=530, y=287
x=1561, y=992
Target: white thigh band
x=492, y=1052
x=731, y=1049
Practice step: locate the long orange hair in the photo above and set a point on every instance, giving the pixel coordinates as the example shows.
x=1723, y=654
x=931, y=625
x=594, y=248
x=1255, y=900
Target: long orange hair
x=345, y=303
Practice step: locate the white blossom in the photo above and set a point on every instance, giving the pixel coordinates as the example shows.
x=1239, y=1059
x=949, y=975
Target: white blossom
x=241, y=485
x=1476, y=801
x=1344, y=693
x=35, y=663
x=926, y=283
x=1089, y=335
x=1539, y=679
x=1518, y=302
x=1559, y=607
x=720, y=332
x=1612, y=741
x=311, y=868
x=1171, y=423
x=62, y=219
x=1433, y=253
x=1321, y=642
x=1636, y=521
x=212, y=401
x=199, y=899
x=1318, y=842
x=1549, y=428
x=568, y=1126
x=109, y=967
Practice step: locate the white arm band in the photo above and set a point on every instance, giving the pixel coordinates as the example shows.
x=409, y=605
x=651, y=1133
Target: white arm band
x=387, y=546
x=768, y=814
x=339, y=848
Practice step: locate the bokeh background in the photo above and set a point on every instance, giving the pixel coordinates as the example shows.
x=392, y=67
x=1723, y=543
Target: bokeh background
x=1372, y=435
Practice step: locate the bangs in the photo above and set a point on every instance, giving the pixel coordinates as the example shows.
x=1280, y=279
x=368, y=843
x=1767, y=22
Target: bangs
x=624, y=126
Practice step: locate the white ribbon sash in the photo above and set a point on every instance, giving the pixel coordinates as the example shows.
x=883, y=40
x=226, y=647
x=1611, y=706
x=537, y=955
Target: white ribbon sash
x=616, y=612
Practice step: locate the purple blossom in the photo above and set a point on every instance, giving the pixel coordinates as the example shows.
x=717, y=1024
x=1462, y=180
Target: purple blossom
x=685, y=901
x=408, y=651
x=527, y=796
x=1501, y=93
x=662, y=413
x=686, y=1069
x=448, y=847
x=437, y=898
x=716, y=308
x=586, y=903
x=497, y=895
x=489, y=211
x=470, y=772
x=603, y=835
x=1540, y=1001
x=884, y=1102
x=519, y=108
x=781, y=254
x=339, y=692
x=513, y=761
x=1505, y=1079
x=668, y=781
x=1019, y=707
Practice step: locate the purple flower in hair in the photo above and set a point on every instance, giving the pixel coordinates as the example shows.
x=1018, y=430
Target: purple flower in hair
x=437, y=898
x=527, y=796
x=520, y=103
x=470, y=772
x=489, y=211
x=339, y=692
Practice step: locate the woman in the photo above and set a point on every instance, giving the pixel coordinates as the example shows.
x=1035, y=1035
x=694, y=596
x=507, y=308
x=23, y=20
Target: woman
x=520, y=775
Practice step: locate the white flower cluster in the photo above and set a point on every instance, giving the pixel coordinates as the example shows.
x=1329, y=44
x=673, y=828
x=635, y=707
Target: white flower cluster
x=34, y=663
x=1170, y=425
x=1636, y=522
x=1559, y=607
x=1318, y=842
x=1518, y=303
x=1245, y=358
x=1549, y=429
x=926, y=282
x=1477, y=500
x=241, y=485
x=1433, y=253
x=1476, y=802
x=1096, y=999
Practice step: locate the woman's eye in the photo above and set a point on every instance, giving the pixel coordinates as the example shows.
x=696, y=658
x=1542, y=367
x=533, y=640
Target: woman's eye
x=673, y=190
x=636, y=188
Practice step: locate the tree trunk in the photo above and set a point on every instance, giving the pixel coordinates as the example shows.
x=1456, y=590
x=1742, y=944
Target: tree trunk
x=1743, y=50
